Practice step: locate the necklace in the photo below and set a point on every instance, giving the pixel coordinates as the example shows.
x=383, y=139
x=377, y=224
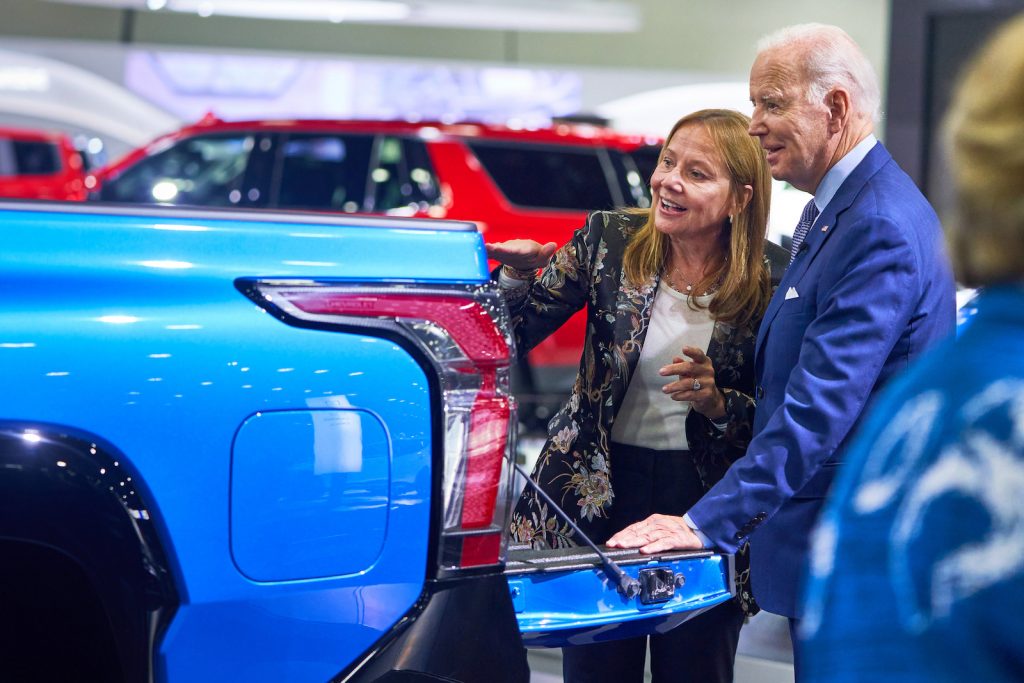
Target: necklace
x=677, y=281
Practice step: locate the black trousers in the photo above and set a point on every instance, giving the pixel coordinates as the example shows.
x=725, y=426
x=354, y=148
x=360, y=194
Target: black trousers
x=701, y=650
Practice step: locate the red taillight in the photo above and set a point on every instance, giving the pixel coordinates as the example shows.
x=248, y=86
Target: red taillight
x=465, y=334
x=488, y=432
x=470, y=326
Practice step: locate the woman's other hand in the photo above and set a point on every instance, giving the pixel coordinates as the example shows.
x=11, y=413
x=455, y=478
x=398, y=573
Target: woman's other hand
x=657, y=534
x=521, y=254
x=696, y=383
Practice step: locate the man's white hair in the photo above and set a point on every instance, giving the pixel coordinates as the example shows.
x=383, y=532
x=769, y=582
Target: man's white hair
x=830, y=58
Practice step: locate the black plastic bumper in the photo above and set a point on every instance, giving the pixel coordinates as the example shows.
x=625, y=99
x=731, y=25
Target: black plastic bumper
x=462, y=630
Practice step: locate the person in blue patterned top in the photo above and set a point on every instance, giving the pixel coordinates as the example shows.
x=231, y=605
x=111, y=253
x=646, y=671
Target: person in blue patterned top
x=917, y=564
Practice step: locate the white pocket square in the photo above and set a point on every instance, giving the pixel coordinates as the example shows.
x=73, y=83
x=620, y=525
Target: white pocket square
x=791, y=294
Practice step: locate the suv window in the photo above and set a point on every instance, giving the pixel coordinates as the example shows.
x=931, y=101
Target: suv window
x=422, y=176
x=549, y=177
x=36, y=158
x=355, y=173
x=646, y=160
x=28, y=157
x=402, y=176
x=206, y=171
x=632, y=183
x=319, y=171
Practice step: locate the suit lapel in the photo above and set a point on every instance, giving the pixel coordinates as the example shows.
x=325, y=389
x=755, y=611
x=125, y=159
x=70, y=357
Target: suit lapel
x=827, y=223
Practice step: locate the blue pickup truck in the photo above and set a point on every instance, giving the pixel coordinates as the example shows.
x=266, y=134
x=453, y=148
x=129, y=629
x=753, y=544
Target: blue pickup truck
x=276, y=447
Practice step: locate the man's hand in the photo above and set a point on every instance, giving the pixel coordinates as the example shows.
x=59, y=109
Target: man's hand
x=521, y=254
x=657, y=534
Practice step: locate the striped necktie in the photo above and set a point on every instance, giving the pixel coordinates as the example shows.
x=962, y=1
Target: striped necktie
x=807, y=218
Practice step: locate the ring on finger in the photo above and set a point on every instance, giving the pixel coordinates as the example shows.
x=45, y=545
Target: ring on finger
x=696, y=384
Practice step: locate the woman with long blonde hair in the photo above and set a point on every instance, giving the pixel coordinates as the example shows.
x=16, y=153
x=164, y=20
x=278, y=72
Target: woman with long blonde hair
x=662, y=403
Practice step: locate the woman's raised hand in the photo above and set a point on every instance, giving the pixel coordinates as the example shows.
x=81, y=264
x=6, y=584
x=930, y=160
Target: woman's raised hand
x=521, y=254
x=695, y=383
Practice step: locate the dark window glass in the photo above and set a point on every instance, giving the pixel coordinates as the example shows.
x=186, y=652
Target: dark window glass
x=631, y=183
x=646, y=160
x=202, y=171
x=7, y=167
x=547, y=177
x=421, y=172
x=36, y=158
x=402, y=176
x=391, y=187
x=320, y=171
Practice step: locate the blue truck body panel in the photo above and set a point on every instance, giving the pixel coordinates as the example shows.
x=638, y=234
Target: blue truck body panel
x=131, y=328
x=579, y=606
x=244, y=494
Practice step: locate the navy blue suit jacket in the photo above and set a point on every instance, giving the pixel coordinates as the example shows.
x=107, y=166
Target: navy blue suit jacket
x=870, y=289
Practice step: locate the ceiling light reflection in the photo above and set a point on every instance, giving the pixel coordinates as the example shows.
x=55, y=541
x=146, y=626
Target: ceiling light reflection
x=180, y=228
x=591, y=16
x=310, y=264
x=164, y=191
x=118, y=319
x=167, y=265
x=317, y=235
x=300, y=10
x=24, y=79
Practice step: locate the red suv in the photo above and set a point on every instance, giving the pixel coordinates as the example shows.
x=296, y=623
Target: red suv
x=511, y=182
x=39, y=165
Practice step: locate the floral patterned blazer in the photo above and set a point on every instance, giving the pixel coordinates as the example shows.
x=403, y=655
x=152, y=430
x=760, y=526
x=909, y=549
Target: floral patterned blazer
x=574, y=464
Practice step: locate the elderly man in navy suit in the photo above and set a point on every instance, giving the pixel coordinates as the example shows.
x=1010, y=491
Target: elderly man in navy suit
x=868, y=289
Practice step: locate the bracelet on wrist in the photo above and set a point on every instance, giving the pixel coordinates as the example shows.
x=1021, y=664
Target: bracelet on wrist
x=720, y=423
x=518, y=274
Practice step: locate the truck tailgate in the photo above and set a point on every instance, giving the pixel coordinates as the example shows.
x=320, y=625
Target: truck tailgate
x=563, y=597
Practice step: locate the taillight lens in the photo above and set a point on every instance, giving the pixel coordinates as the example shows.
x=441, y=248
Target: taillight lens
x=465, y=333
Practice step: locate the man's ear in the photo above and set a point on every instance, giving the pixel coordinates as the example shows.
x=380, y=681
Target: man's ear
x=838, y=102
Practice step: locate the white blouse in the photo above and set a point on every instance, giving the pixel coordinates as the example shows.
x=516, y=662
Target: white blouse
x=647, y=417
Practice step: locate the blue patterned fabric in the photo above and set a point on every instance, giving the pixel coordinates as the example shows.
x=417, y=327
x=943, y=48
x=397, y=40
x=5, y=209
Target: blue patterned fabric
x=917, y=565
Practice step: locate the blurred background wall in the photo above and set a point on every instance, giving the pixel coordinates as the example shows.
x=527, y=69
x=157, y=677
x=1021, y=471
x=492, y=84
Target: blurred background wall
x=678, y=56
